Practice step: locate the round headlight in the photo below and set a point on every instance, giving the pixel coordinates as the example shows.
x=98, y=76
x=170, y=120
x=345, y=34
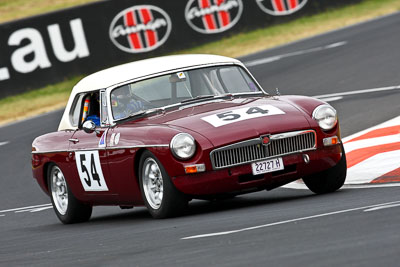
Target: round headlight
x=183, y=146
x=326, y=117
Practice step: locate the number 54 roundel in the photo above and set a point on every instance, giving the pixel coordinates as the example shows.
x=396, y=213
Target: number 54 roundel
x=89, y=169
x=242, y=114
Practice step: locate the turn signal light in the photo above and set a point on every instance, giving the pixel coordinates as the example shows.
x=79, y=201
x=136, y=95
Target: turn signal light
x=35, y=160
x=330, y=141
x=195, y=168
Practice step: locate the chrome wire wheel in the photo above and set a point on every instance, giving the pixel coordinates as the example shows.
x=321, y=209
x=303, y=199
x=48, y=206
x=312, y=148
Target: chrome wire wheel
x=152, y=183
x=59, y=191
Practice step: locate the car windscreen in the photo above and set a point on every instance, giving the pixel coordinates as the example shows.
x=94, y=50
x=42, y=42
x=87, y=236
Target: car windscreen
x=181, y=86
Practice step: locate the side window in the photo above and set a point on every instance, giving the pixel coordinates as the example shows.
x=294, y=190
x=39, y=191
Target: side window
x=86, y=106
x=76, y=110
x=91, y=108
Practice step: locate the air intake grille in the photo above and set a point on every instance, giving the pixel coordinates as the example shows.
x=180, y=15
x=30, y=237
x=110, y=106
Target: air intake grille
x=254, y=150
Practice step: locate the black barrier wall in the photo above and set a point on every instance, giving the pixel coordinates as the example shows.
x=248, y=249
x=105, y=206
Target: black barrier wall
x=49, y=48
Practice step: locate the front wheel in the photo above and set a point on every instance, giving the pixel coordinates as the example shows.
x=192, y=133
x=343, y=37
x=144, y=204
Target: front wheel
x=329, y=180
x=67, y=208
x=160, y=196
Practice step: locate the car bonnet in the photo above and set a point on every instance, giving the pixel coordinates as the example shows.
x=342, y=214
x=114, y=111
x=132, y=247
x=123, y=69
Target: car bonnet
x=228, y=121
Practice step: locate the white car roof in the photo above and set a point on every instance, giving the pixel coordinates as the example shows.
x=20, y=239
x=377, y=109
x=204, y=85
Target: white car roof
x=135, y=70
x=142, y=68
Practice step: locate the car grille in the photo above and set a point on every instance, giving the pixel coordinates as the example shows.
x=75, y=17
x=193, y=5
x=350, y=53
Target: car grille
x=254, y=150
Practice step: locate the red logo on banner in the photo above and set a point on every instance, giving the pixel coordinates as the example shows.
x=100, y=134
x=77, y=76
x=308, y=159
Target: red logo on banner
x=140, y=28
x=281, y=7
x=213, y=16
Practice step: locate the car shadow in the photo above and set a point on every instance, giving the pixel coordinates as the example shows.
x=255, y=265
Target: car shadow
x=207, y=207
x=252, y=200
x=139, y=215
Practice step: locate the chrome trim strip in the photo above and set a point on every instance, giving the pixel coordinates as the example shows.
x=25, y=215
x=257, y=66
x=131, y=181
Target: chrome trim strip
x=137, y=146
x=87, y=149
x=49, y=151
x=290, y=134
x=98, y=148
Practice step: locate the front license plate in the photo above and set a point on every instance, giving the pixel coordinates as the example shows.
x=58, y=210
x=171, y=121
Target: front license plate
x=265, y=166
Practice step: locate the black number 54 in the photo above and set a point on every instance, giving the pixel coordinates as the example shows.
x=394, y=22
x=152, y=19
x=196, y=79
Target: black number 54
x=230, y=116
x=93, y=175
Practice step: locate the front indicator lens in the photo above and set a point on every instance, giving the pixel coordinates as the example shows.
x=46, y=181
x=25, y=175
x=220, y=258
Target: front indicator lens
x=195, y=168
x=330, y=141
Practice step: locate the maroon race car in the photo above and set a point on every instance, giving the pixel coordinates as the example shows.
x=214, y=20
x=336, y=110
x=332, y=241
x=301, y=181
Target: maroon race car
x=163, y=131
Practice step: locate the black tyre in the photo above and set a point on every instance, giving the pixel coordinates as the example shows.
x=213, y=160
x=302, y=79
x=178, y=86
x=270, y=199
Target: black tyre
x=329, y=180
x=67, y=208
x=160, y=196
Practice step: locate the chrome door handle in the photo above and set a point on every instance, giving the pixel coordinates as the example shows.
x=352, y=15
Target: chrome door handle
x=73, y=140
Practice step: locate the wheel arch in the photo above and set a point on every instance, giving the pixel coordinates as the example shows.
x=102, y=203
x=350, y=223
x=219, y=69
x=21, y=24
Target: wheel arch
x=46, y=172
x=136, y=163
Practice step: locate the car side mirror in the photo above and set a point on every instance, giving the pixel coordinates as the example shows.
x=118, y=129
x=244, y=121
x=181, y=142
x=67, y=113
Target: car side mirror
x=89, y=127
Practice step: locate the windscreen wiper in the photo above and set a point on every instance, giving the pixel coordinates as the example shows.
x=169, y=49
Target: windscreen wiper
x=142, y=113
x=197, y=98
x=249, y=94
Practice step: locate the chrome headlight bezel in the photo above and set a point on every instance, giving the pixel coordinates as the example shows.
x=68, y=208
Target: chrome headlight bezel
x=183, y=146
x=326, y=116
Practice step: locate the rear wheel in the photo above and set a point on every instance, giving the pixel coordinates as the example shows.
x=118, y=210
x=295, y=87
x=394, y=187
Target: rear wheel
x=160, y=196
x=329, y=180
x=67, y=208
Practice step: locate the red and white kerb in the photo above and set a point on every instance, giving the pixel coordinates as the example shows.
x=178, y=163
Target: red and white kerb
x=373, y=155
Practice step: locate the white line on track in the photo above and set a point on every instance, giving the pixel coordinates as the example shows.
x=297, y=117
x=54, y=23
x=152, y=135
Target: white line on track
x=356, y=92
x=290, y=221
x=34, y=209
x=4, y=143
x=297, y=185
x=292, y=54
x=383, y=207
x=368, y=186
x=26, y=208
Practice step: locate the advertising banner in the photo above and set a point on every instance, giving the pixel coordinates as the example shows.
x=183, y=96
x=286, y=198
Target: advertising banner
x=49, y=48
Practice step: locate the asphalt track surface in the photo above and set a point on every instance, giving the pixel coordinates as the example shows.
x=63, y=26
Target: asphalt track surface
x=283, y=227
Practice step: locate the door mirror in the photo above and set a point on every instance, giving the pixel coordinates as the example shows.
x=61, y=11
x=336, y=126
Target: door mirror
x=89, y=127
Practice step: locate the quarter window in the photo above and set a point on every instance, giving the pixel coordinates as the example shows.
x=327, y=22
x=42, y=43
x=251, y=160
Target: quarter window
x=76, y=110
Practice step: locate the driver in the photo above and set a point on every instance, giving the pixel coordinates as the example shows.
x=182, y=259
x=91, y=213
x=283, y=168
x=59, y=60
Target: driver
x=123, y=103
x=91, y=109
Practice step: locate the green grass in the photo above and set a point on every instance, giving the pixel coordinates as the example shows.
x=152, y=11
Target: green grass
x=56, y=96
x=16, y=9
x=36, y=101
x=260, y=39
